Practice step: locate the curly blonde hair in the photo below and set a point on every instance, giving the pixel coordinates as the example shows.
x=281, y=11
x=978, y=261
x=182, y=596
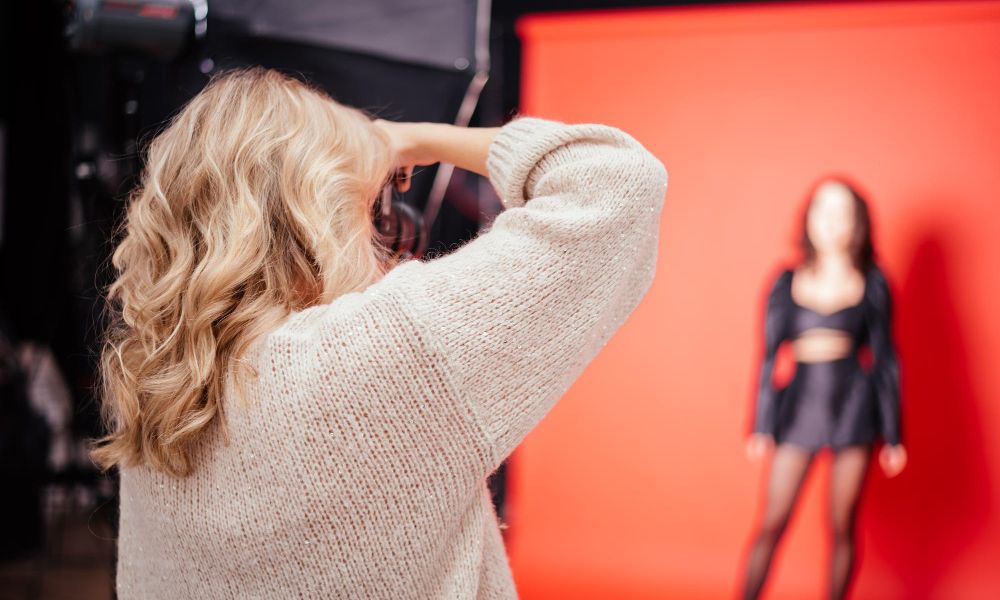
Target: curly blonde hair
x=255, y=202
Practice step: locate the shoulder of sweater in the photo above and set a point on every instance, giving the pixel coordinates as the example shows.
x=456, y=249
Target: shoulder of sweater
x=384, y=301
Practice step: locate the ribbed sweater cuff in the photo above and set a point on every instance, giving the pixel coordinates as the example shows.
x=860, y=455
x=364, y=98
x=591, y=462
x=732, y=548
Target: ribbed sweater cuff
x=515, y=151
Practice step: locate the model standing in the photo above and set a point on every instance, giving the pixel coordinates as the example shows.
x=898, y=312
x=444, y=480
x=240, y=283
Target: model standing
x=834, y=303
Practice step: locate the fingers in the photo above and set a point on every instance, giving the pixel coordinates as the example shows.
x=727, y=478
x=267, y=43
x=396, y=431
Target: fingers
x=758, y=446
x=892, y=459
x=407, y=140
x=883, y=461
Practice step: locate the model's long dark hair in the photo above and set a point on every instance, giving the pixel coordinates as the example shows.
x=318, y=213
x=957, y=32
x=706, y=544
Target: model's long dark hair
x=861, y=248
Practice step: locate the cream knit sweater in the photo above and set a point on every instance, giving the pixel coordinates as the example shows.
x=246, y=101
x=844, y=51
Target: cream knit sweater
x=358, y=468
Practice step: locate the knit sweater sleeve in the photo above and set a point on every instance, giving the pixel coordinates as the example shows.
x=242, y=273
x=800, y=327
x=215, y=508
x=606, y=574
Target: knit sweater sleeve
x=518, y=312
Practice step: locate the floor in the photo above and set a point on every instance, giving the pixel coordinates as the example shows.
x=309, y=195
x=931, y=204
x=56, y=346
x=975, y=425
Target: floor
x=78, y=557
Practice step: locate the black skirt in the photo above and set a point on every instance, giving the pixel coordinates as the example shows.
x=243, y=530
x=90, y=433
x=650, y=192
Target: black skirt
x=827, y=404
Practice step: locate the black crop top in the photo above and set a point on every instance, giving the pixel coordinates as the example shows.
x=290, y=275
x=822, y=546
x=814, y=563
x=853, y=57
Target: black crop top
x=850, y=320
x=868, y=322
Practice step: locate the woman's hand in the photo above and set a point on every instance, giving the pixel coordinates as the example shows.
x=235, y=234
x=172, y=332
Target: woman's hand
x=892, y=459
x=410, y=141
x=409, y=145
x=759, y=445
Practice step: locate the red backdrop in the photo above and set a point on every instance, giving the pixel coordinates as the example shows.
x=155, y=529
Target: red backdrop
x=636, y=485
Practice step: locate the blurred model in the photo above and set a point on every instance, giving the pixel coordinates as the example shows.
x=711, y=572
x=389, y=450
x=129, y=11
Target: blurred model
x=836, y=302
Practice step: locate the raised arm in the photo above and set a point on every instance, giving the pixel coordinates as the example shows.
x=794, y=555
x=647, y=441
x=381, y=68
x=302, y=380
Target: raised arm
x=518, y=312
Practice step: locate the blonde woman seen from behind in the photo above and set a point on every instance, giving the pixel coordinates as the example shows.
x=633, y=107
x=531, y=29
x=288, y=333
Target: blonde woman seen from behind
x=293, y=414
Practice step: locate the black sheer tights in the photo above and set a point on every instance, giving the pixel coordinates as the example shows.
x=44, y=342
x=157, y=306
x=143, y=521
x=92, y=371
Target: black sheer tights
x=788, y=469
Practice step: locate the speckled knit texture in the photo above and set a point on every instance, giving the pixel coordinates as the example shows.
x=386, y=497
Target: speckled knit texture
x=357, y=465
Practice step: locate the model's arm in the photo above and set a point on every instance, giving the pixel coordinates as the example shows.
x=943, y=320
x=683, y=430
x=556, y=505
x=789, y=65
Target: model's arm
x=885, y=374
x=775, y=326
x=885, y=366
